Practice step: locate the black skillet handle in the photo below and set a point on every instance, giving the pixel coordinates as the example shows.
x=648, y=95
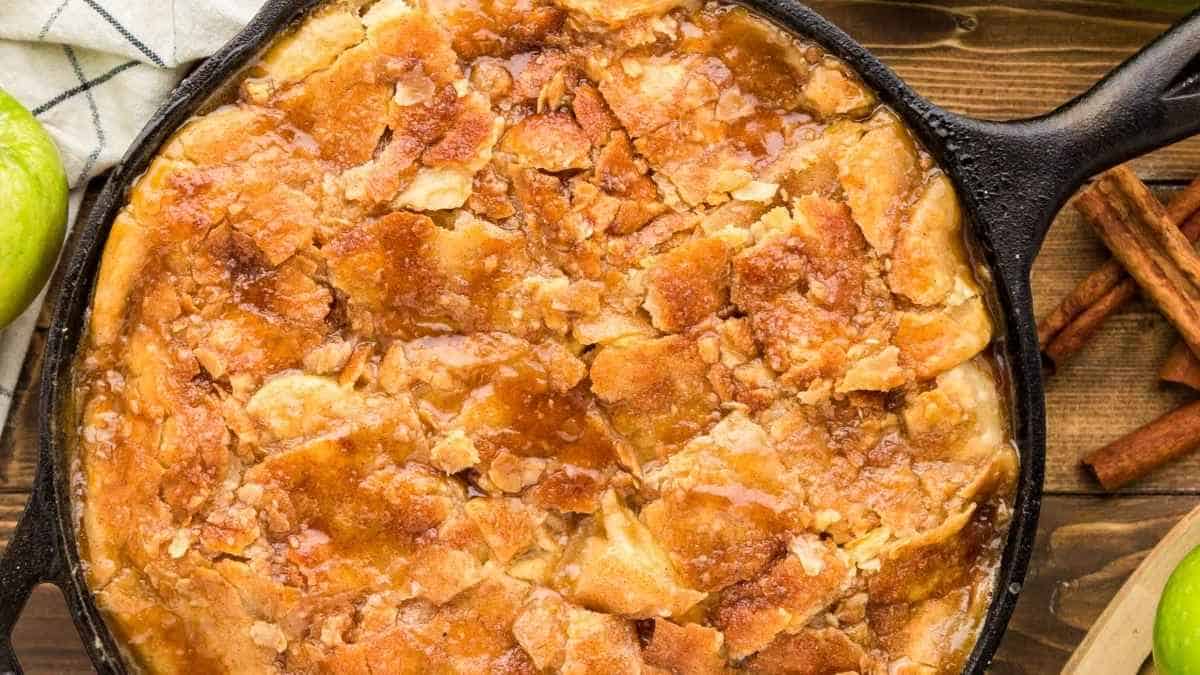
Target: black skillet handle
x=1018, y=174
x=32, y=557
x=1151, y=100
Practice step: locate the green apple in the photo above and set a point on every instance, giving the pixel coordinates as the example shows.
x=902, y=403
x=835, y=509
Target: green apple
x=33, y=207
x=1177, y=623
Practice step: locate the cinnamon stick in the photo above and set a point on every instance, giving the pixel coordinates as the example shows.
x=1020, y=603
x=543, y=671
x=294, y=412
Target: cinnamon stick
x=1184, y=205
x=1190, y=225
x=1087, y=323
x=1181, y=367
x=1083, y=296
x=1081, y=328
x=1142, y=451
x=1087, y=306
x=1135, y=228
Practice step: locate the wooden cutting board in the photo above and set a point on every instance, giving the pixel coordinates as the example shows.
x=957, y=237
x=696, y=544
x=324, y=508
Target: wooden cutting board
x=1120, y=641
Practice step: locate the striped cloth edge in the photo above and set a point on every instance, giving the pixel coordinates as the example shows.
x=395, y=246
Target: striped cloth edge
x=93, y=72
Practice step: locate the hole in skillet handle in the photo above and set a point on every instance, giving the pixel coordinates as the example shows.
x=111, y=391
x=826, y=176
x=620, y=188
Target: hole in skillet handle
x=31, y=558
x=1186, y=83
x=45, y=637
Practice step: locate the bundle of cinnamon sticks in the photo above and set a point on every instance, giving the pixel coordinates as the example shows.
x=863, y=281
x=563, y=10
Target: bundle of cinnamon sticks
x=1153, y=253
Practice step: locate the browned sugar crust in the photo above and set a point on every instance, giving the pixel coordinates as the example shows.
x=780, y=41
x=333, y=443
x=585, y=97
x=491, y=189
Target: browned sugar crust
x=521, y=336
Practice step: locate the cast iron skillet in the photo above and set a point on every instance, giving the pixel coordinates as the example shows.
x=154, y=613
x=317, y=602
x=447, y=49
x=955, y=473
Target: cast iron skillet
x=1012, y=178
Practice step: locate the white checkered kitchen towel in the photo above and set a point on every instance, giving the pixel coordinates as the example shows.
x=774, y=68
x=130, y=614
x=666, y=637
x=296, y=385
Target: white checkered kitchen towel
x=93, y=71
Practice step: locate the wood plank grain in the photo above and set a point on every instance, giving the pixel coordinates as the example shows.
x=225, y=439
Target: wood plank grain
x=1111, y=387
x=1013, y=59
x=18, y=441
x=1086, y=548
x=11, y=506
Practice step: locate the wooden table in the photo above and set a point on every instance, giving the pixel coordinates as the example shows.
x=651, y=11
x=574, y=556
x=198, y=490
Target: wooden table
x=1004, y=59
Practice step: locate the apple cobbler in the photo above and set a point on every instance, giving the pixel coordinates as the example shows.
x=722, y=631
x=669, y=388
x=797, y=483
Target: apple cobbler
x=531, y=336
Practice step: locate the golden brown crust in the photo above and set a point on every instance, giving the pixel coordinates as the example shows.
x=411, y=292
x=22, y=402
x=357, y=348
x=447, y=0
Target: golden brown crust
x=690, y=649
x=541, y=336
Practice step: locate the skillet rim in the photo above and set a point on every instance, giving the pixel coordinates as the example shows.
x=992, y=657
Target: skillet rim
x=1016, y=342
x=951, y=139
